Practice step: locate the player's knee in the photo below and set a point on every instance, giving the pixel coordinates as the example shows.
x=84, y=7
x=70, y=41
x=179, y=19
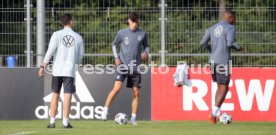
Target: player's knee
x=136, y=93
x=55, y=95
x=116, y=90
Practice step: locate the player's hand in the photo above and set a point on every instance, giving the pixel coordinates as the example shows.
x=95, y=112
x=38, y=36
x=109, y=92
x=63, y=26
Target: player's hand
x=117, y=61
x=144, y=56
x=41, y=72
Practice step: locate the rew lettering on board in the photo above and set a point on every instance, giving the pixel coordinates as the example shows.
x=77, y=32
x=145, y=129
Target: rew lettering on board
x=251, y=96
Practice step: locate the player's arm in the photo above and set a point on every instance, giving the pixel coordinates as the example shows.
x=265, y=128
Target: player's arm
x=146, y=47
x=81, y=51
x=204, y=42
x=51, y=49
x=115, y=44
x=230, y=39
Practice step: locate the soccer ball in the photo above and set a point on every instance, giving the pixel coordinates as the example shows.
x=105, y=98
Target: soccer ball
x=121, y=118
x=225, y=118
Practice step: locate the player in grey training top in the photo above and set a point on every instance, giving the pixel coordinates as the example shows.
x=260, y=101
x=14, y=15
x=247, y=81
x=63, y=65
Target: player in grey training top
x=222, y=36
x=132, y=40
x=67, y=48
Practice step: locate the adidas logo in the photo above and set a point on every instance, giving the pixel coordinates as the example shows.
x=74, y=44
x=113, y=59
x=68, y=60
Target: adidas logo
x=82, y=95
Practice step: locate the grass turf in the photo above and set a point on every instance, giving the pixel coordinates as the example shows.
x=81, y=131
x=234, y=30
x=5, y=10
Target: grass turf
x=85, y=127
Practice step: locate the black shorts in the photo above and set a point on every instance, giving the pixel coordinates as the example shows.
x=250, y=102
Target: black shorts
x=133, y=79
x=68, y=84
x=220, y=73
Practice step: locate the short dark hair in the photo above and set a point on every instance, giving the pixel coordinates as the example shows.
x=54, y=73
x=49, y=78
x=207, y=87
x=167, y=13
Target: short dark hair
x=133, y=16
x=66, y=19
x=230, y=12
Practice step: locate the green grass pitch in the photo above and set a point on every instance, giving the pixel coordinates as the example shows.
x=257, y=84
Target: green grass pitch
x=86, y=127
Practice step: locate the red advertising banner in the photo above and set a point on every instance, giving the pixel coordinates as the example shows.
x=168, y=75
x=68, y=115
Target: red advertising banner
x=251, y=96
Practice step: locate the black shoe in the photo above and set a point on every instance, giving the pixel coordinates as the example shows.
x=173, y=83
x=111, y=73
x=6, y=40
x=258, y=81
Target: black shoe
x=68, y=126
x=51, y=125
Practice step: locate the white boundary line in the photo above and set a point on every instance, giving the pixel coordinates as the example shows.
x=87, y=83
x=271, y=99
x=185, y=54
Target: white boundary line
x=23, y=133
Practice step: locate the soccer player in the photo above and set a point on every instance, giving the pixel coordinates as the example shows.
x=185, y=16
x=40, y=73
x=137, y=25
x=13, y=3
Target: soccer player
x=67, y=47
x=131, y=39
x=222, y=36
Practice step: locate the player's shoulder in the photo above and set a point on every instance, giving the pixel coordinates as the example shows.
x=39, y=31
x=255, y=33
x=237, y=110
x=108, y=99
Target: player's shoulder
x=222, y=24
x=231, y=26
x=56, y=34
x=226, y=25
x=78, y=35
x=215, y=25
x=123, y=31
x=212, y=27
x=63, y=32
x=58, y=31
x=141, y=30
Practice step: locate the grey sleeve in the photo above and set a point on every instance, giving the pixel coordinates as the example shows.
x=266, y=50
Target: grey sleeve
x=146, y=44
x=51, y=49
x=116, y=42
x=81, y=51
x=205, y=40
x=114, y=50
x=231, y=35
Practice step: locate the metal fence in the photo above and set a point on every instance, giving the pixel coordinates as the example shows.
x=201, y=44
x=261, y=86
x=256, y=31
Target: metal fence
x=185, y=23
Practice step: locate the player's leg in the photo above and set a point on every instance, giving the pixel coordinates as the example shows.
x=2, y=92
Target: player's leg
x=220, y=94
x=212, y=116
x=112, y=94
x=69, y=89
x=66, y=109
x=222, y=78
x=56, y=86
x=219, y=99
x=134, y=81
x=53, y=108
x=120, y=77
x=135, y=104
x=135, y=100
x=54, y=104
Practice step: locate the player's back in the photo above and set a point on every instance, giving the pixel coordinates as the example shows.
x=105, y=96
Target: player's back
x=220, y=52
x=67, y=52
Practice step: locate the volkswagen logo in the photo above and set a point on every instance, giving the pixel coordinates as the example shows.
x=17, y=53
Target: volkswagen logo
x=68, y=41
x=218, y=31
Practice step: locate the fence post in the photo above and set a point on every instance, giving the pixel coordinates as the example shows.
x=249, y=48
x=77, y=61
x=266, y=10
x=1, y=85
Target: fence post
x=28, y=32
x=40, y=36
x=163, y=32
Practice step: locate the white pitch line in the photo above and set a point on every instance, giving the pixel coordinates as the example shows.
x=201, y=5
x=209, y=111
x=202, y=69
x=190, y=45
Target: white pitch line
x=23, y=133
